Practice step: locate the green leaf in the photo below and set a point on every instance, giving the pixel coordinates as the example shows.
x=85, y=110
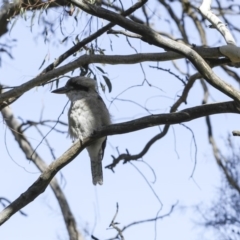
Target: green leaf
x=32, y=19
x=25, y=15
x=75, y=18
x=57, y=82
x=108, y=82
x=21, y=11
x=100, y=69
x=103, y=87
x=13, y=24
x=101, y=51
x=76, y=39
x=46, y=7
x=64, y=39
x=44, y=60
x=40, y=13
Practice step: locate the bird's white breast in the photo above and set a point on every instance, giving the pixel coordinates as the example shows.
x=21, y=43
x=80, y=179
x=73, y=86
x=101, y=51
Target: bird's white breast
x=86, y=115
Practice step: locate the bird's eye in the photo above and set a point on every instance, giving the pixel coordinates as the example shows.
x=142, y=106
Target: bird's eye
x=79, y=87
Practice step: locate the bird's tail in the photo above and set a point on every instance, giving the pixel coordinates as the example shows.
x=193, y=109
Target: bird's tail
x=97, y=174
x=96, y=152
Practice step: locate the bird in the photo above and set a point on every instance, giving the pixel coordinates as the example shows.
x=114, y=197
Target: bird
x=86, y=114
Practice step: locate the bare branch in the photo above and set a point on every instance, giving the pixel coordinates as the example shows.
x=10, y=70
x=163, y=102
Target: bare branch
x=118, y=9
x=5, y=98
x=28, y=150
x=205, y=9
x=3, y=200
x=236, y=133
x=216, y=151
x=177, y=21
x=127, y=34
x=114, y=224
x=188, y=8
x=128, y=157
x=47, y=175
x=147, y=220
x=219, y=161
x=12, y=8
x=90, y=38
x=151, y=219
x=231, y=73
x=169, y=118
x=152, y=37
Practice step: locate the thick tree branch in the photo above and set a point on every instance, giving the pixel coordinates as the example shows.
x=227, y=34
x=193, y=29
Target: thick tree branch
x=12, y=8
x=183, y=98
x=152, y=37
x=104, y=59
x=45, y=178
x=40, y=185
x=185, y=115
x=118, y=9
x=90, y=38
x=31, y=154
x=205, y=10
x=127, y=34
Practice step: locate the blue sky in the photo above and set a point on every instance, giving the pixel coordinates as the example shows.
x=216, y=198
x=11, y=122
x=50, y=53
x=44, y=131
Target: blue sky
x=172, y=158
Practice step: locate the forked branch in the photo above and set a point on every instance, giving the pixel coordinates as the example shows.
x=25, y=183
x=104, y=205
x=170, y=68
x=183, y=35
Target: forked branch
x=47, y=175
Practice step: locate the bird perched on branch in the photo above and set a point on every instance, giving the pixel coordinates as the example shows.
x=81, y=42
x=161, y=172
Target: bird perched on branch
x=86, y=114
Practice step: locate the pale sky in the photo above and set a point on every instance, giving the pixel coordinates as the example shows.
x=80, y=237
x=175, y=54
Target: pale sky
x=172, y=158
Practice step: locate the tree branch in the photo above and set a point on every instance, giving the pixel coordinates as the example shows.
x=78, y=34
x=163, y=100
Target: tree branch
x=177, y=21
x=146, y=220
x=205, y=10
x=90, y=38
x=128, y=157
x=169, y=118
x=152, y=37
x=104, y=59
x=127, y=34
x=12, y=8
x=31, y=154
x=47, y=175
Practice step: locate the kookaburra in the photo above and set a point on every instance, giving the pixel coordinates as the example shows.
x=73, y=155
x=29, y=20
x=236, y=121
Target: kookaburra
x=86, y=114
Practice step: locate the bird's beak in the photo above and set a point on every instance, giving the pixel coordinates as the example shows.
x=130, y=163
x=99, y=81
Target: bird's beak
x=61, y=90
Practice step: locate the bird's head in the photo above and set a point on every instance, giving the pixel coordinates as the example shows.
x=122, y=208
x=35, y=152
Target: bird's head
x=84, y=84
